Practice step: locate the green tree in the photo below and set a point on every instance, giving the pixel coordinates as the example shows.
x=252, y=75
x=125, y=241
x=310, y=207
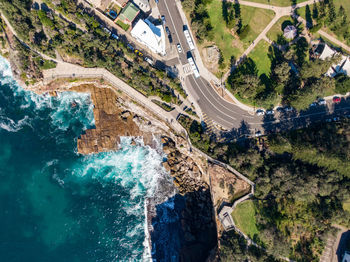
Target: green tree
x=315, y=11
x=308, y=17
x=331, y=12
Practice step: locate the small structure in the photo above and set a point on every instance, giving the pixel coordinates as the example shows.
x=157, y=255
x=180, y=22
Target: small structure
x=143, y=5
x=290, y=32
x=128, y=14
x=345, y=69
x=150, y=35
x=327, y=52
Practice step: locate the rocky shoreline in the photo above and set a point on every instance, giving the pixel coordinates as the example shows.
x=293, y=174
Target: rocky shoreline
x=186, y=210
x=182, y=221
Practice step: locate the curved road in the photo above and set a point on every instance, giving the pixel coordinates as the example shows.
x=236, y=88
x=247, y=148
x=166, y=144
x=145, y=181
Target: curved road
x=228, y=115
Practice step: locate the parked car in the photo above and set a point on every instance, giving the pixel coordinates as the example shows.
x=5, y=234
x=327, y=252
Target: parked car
x=179, y=49
x=313, y=104
x=288, y=109
x=115, y=36
x=322, y=102
x=149, y=60
x=260, y=112
x=280, y=109
x=169, y=34
x=337, y=118
x=130, y=47
x=328, y=120
x=258, y=133
x=270, y=112
x=163, y=19
x=336, y=99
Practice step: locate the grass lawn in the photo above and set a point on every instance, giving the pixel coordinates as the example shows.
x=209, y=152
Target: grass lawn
x=244, y=218
x=125, y=27
x=277, y=28
x=277, y=2
x=231, y=45
x=259, y=56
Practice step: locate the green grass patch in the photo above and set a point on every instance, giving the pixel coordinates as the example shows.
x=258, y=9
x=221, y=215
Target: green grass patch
x=260, y=57
x=277, y=2
x=257, y=19
x=230, y=44
x=278, y=27
x=244, y=218
x=346, y=205
x=124, y=26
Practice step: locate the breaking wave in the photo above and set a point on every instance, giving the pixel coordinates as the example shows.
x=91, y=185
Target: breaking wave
x=107, y=191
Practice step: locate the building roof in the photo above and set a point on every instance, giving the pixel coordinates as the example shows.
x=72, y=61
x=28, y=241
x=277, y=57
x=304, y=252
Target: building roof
x=345, y=69
x=129, y=12
x=143, y=5
x=290, y=32
x=150, y=35
x=327, y=52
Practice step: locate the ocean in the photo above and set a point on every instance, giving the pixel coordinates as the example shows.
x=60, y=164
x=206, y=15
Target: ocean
x=57, y=205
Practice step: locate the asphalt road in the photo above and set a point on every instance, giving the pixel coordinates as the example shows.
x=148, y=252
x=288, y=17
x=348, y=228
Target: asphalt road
x=228, y=115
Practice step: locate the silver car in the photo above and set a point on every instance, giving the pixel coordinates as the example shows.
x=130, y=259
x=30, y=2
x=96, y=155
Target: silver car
x=179, y=49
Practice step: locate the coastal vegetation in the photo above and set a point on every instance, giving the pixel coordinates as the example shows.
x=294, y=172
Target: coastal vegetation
x=293, y=77
x=45, y=31
x=302, y=183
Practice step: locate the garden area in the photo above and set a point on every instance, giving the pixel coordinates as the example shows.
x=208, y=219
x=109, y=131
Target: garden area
x=244, y=218
x=260, y=56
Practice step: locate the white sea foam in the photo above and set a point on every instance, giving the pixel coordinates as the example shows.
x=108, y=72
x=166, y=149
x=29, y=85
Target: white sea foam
x=12, y=126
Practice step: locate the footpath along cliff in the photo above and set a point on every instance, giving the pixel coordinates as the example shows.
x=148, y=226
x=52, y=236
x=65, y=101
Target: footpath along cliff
x=184, y=226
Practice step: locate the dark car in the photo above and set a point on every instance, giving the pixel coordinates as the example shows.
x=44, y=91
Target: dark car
x=336, y=100
x=169, y=34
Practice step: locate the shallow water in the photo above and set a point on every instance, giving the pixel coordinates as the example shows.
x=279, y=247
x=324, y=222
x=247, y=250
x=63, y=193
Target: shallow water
x=57, y=205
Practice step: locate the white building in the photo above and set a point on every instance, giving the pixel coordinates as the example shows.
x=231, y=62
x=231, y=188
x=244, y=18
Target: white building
x=327, y=52
x=290, y=32
x=143, y=5
x=150, y=35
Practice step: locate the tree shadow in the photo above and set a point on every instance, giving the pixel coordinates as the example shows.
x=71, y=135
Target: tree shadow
x=285, y=24
x=184, y=228
x=242, y=132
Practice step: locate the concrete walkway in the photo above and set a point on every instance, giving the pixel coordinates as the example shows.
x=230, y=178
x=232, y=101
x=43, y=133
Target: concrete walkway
x=66, y=70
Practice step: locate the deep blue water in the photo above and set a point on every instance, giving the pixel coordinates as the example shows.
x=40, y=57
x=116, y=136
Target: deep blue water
x=57, y=205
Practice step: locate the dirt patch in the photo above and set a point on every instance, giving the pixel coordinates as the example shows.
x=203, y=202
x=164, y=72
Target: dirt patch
x=211, y=56
x=225, y=185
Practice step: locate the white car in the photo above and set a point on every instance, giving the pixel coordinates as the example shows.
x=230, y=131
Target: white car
x=260, y=112
x=322, y=102
x=270, y=112
x=179, y=48
x=258, y=133
x=288, y=109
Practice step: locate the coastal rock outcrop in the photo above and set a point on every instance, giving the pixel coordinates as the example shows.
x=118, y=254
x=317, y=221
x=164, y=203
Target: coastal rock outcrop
x=196, y=235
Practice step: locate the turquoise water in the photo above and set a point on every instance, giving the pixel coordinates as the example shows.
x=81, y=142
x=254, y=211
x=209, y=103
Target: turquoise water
x=57, y=205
